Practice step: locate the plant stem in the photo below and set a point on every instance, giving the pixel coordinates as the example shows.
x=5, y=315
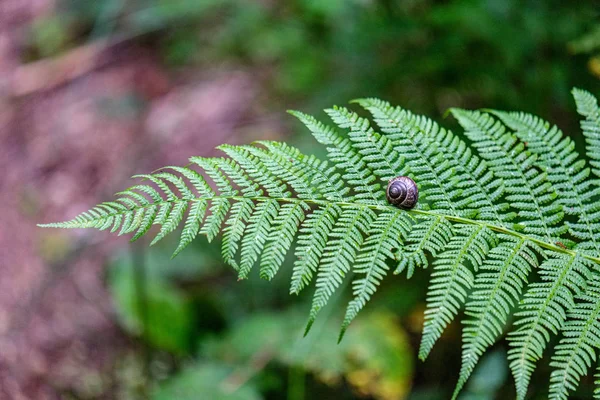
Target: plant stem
x=374, y=206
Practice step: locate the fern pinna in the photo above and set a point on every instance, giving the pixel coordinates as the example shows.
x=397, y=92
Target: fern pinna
x=510, y=218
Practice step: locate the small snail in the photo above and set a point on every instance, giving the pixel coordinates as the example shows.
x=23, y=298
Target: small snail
x=402, y=192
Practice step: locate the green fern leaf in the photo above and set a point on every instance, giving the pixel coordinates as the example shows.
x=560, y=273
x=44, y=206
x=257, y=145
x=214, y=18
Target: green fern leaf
x=356, y=173
x=497, y=288
x=431, y=234
x=544, y=311
x=281, y=237
x=376, y=150
x=191, y=228
x=212, y=224
x=452, y=279
x=488, y=211
x=256, y=170
x=587, y=106
x=371, y=263
x=576, y=352
x=169, y=223
x=234, y=229
x=433, y=172
x=315, y=172
x=311, y=243
x=345, y=239
x=424, y=140
x=256, y=234
x=528, y=190
x=567, y=172
x=211, y=168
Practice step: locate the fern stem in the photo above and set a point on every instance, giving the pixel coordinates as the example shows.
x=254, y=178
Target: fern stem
x=372, y=206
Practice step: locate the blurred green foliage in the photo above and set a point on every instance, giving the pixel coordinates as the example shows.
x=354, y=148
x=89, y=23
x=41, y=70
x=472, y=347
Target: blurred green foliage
x=205, y=380
x=423, y=54
x=245, y=352
x=426, y=55
x=161, y=313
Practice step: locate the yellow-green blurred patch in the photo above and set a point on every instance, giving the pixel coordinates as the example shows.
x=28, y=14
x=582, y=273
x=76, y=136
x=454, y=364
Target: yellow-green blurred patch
x=53, y=247
x=375, y=356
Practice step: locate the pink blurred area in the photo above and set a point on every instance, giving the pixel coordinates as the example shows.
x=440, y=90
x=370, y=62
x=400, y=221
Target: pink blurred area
x=73, y=128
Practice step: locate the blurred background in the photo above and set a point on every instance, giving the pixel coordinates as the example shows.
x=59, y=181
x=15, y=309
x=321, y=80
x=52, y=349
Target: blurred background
x=92, y=92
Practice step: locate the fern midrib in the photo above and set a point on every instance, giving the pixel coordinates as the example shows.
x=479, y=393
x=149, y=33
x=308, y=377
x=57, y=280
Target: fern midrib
x=380, y=207
x=454, y=268
x=429, y=164
x=459, y=260
x=373, y=263
x=511, y=158
x=425, y=239
x=526, y=184
x=459, y=164
x=486, y=313
x=583, y=213
x=574, y=188
x=557, y=283
x=588, y=325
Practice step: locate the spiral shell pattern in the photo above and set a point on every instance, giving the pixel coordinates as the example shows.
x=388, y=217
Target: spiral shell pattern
x=402, y=192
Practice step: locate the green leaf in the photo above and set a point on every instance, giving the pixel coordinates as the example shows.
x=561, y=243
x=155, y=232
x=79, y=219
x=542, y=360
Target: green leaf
x=490, y=211
x=163, y=316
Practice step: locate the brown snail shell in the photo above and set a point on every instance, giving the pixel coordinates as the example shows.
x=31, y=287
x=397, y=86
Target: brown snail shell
x=402, y=192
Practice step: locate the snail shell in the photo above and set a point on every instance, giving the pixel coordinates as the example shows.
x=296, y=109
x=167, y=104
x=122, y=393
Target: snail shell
x=402, y=192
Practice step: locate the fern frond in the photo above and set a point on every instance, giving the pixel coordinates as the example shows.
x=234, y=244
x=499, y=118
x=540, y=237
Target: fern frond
x=281, y=237
x=543, y=312
x=311, y=243
x=345, y=239
x=528, y=190
x=587, y=106
x=376, y=149
x=148, y=220
x=191, y=228
x=576, y=352
x=371, y=263
x=497, y=289
x=214, y=168
x=212, y=224
x=485, y=219
x=171, y=220
x=256, y=234
x=478, y=184
x=256, y=170
x=431, y=234
x=312, y=171
x=358, y=175
x=433, y=172
x=452, y=278
x=234, y=229
x=566, y=170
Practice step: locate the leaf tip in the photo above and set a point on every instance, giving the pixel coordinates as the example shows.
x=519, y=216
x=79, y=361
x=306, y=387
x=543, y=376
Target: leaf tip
x=342, y=332
x=309, y=325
